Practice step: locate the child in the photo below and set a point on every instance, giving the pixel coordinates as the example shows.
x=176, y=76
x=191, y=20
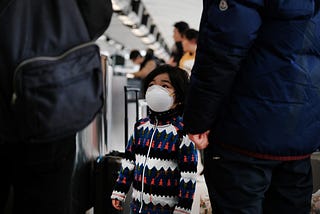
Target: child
x=160, y=161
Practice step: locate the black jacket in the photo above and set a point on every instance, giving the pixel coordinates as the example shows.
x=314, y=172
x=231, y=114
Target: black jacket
x=31, y=28
x=256, y=82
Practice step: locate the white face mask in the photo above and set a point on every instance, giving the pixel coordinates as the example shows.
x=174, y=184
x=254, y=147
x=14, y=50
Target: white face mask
x=159, y=99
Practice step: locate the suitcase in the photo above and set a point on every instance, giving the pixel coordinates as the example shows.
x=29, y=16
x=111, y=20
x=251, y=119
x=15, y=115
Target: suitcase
x=106, y=167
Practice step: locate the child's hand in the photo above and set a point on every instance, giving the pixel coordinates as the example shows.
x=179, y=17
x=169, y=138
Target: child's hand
x=117, y=204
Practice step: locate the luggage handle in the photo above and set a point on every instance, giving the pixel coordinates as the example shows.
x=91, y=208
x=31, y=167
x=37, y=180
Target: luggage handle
x=136, y=92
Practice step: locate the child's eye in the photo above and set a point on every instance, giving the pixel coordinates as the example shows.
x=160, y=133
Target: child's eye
x=150, y=84
x=165, y=86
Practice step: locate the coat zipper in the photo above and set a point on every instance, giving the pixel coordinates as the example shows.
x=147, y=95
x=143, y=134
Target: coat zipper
x=42, y=58
x=144, y=165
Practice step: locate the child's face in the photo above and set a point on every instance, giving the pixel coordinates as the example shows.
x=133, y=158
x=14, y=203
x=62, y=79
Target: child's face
x=163, y=80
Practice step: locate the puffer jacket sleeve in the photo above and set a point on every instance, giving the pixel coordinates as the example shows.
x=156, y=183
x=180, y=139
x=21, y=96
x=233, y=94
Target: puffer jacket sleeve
x=188, y=161
x=125, y=177
x=225, y=35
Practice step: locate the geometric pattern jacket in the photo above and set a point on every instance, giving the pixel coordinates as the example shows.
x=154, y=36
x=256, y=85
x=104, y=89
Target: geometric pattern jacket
x=160, y=163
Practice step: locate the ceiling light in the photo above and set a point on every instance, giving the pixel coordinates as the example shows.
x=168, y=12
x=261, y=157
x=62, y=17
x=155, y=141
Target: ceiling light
x=111, y=42
x=129, y=20
x=141, y=31
x=102, y=38
x=155, y=46
x=148, y=39
x=120, y=5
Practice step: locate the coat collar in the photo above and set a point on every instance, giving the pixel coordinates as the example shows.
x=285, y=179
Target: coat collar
x=163, y=118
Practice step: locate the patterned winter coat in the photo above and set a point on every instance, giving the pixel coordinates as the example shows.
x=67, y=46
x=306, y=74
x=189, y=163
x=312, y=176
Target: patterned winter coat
x=161, y=163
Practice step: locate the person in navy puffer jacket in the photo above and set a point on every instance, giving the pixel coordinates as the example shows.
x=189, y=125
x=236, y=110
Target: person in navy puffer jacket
x=254, y=103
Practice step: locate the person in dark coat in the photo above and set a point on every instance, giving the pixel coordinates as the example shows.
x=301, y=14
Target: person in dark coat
x=39, y=175
x=254, y=103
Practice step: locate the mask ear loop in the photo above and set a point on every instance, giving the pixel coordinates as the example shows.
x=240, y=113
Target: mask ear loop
x=175, y=104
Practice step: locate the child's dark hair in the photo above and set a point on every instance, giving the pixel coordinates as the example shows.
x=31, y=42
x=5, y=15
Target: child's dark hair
x=179, y=79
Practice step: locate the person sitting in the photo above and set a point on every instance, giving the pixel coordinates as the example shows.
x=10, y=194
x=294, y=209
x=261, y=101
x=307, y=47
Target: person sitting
x=147, y=63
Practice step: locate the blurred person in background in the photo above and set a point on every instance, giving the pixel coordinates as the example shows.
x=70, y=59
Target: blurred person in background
x=189, y=45
x=177, y=50
x=147, y=63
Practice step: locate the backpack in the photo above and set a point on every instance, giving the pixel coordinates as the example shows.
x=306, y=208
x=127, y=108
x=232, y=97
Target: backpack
x=57, y=96
x=53, y=65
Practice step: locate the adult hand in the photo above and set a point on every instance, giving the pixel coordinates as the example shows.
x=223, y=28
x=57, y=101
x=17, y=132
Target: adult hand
x=200, y=140
x=117, y=204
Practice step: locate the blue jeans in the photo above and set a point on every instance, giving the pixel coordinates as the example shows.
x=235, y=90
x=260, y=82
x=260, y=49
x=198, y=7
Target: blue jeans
x=242, y=184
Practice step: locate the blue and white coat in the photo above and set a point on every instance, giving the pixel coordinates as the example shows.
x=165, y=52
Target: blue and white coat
x=161, y=164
